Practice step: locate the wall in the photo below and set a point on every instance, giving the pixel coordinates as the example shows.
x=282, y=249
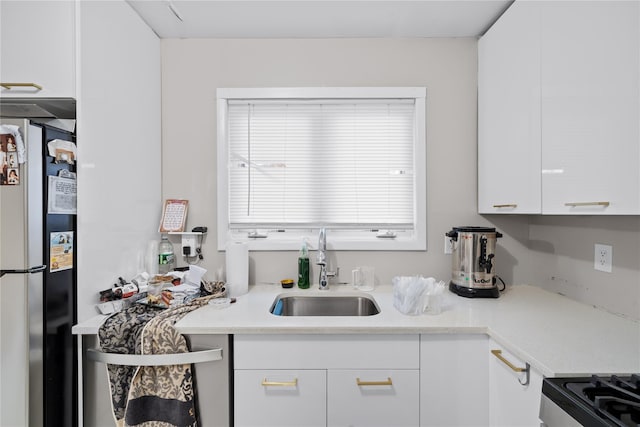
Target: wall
x=118, y=146
x=193, y=69
x=560, y=257
x=562, y=250
x=555, y=253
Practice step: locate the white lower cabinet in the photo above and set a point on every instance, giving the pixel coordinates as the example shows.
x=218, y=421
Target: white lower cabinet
x=373, y=398
x=326, y=380
x=511, y=403
x=294, y=398
x=429, y=380
x=454, y=380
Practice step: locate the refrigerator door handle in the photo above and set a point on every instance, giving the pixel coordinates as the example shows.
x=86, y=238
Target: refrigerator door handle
x=30, y=270
x=201, y=356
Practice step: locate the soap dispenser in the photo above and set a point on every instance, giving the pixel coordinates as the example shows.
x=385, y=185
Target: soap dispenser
x=303, y=266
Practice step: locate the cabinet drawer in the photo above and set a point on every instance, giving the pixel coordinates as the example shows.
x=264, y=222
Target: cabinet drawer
x=293, y=398
x=373, y=398
x=326, y=351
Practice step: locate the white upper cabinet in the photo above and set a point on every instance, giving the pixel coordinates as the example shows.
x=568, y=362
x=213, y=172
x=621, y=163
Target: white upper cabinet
x=37, y=45
x=509, y=113
x=559, y=109
x=590, y=97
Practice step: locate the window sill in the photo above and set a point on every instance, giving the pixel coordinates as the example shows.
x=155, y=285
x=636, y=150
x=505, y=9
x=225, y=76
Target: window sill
x=335, y=242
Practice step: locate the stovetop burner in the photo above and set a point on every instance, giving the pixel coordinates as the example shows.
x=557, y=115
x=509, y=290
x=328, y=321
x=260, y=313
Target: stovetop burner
x=598, y=401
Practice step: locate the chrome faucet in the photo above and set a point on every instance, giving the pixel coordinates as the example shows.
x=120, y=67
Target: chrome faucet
x=321, y=260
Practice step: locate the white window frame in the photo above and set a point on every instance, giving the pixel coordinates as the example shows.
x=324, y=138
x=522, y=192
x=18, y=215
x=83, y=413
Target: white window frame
x=336, y=239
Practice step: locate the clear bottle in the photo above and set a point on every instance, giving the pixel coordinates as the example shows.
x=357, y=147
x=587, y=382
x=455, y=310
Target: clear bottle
x=303, y=267
x=166, y=257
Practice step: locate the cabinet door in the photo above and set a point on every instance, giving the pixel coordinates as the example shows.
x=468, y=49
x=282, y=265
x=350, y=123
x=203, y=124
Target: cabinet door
x=512, y=404
x=590, y=108
x=37, y=45
x=454, y=380
x=373, y=398
x=295, y=398
x=509, y=113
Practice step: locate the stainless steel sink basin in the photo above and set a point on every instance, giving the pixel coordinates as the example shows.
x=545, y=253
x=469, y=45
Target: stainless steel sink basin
x=324, y=305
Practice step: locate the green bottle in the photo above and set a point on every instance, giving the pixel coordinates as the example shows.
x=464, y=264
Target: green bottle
x=303, y=267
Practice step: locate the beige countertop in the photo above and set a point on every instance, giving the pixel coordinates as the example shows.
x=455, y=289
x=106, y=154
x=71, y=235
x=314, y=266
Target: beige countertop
x=556, y=335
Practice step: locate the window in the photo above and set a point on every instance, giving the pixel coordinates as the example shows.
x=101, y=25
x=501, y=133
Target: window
x=293, y=160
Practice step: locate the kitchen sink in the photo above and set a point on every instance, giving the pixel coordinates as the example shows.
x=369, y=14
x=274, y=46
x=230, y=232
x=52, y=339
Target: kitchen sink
x=324, y=305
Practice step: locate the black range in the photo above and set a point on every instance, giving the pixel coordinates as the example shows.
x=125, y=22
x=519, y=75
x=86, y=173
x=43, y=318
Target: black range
x=591, y=401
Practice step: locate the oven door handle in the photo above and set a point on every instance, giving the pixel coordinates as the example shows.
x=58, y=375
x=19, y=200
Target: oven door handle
x=209, y=355
x=526, y=369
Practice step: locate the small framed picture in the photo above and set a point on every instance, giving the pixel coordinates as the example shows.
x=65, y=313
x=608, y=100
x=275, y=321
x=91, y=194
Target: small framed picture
x=13, y=176
x=11, y=143
x=174, y=215
x=64, y=156
x=13, y=160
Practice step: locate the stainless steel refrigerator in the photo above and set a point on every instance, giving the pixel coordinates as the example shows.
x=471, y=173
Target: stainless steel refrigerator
x=38, y=375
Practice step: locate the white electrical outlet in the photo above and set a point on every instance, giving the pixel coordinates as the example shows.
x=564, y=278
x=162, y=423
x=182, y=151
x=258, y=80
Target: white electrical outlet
x=448, y=245
x=189, y=245
x=603, y=258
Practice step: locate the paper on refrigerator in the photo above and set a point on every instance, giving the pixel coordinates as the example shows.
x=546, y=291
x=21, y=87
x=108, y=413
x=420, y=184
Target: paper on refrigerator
x=62, y=195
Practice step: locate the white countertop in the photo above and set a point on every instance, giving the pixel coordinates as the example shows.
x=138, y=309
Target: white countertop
x=556, y=335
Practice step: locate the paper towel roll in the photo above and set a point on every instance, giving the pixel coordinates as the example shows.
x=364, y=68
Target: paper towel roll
x=237, y=260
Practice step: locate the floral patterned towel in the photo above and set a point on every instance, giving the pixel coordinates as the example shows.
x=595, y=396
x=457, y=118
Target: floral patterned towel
x=151, y=396
x=120, y=333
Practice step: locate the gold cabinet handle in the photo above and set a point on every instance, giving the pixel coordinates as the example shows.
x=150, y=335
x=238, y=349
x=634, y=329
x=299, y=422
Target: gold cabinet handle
x=365, y=383
x=267, y=383
x=11, y=85
x=508, y=205
x=575, y=204
x=498, y=354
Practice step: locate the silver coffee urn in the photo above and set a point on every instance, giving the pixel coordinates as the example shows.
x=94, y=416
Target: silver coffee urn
x=472, y=268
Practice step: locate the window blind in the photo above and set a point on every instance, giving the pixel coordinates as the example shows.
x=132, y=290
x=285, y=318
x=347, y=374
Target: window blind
x=306, y=163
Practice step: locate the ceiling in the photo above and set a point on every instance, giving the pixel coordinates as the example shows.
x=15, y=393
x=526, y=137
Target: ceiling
x=319, y=18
